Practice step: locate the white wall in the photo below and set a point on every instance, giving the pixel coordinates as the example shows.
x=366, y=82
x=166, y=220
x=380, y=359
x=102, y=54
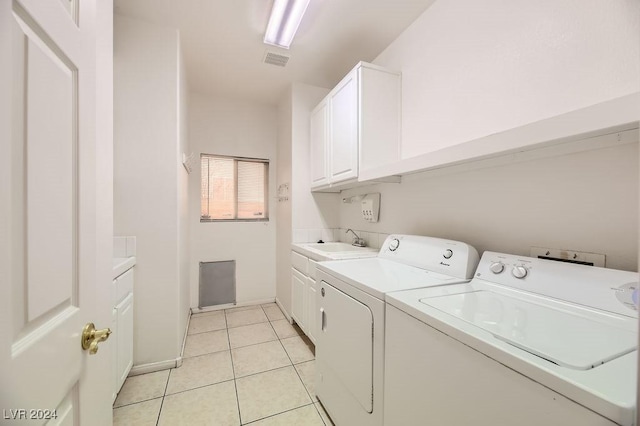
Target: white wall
x=471, y=69
x=234, y=128
x=586, y=201
x=146, y=191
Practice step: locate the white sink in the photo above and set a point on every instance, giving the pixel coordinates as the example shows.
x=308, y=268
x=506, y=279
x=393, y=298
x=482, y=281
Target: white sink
x=334, y=247
x=333, y=251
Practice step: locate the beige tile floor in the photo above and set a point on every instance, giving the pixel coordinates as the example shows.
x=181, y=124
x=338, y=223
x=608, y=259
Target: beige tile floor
x=241, y=366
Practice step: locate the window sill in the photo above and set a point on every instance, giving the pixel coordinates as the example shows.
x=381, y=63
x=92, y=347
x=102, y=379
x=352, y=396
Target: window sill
x=232, y=220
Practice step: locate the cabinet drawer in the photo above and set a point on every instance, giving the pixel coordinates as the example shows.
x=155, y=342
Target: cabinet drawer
x=313, y=266
x=299, y=262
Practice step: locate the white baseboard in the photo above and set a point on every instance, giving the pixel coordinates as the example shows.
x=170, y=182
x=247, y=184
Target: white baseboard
x=284, y=311
x=155, y=366
x=184, y=341
x=231, y=305
x=136, y=370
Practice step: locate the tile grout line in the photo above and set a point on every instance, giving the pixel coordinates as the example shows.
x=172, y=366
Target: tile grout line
x=235, y=378
x=297, y=373
x=274, y=331
x=238, y=326
x=277, y=414
x=166, y=386
x=137, y=402
x=231, y=356
x=198, y=387
x=287, y=366
x=313, y=401
x=233, y=369
x=206, y=331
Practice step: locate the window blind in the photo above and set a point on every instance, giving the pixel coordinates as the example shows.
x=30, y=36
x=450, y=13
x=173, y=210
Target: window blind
x=233, y=188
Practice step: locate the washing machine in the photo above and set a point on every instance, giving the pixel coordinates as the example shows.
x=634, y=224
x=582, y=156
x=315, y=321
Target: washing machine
x=527, y=342
x=351, y=314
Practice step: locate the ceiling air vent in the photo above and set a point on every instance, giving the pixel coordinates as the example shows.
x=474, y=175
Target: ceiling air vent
x=275, y=59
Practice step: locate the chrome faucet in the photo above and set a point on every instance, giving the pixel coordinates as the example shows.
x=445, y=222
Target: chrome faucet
x=357, y=241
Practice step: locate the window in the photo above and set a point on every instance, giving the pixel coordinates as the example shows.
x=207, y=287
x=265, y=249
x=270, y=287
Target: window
x=233, y=188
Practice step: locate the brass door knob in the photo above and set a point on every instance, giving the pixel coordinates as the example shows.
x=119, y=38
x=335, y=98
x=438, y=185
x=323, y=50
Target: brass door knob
x=91, y=337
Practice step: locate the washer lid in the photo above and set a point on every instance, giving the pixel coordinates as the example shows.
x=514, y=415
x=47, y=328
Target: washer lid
x=549, y=329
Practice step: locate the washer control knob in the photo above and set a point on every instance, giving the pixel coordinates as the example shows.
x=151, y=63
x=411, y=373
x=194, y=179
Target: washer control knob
x=394, y=244
x=497, y=267
x=519, y=272
x=447, y=254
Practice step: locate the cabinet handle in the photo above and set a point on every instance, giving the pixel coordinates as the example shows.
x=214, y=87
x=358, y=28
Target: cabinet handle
x=323, y=321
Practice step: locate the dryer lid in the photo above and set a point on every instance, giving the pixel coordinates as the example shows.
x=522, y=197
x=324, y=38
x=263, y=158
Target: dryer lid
x=569, y=336
x=377, y=276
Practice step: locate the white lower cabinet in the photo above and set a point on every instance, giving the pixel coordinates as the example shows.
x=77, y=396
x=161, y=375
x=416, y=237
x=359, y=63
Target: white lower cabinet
x=298, y=297
x=122, y=328
x=303, y=294
x=125, y=339
x=114, y=353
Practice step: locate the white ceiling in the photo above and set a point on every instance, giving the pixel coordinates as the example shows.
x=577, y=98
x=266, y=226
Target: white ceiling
x=223, y=48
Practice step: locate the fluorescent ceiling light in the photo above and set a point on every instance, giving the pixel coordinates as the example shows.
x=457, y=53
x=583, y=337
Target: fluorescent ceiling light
x=284, y=21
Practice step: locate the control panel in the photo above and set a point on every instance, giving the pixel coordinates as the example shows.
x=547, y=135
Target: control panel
x=518, y=271
x=449, y=257
x=607, y=289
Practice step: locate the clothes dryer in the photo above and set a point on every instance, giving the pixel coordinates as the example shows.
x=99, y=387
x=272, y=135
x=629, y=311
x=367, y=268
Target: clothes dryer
x=350, y=309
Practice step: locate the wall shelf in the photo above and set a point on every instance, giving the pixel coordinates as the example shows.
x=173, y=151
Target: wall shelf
x=605, y=124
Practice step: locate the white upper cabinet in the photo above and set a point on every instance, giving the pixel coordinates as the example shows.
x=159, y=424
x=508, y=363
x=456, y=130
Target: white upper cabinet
x=361, y=118
x=319, y=151
x=380, y=117
x=343, y=134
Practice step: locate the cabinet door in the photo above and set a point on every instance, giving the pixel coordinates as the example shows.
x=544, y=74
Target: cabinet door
x=125, y=338
x=298, y=298
x=319, y=147
x=343, y=122
x=311, y=310
x=379, y=119
x=114, y=353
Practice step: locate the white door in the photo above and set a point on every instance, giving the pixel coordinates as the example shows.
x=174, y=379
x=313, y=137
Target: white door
x=52, y=245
